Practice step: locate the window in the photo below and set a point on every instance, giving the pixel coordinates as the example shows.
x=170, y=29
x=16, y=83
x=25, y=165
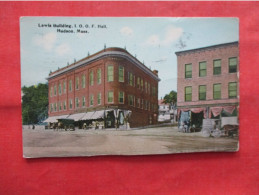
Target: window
x=64, y=87
x=91, y=100
x=146, y=86
x=216, y=91
x=130, y=77
x=138, y=82
x=83, y=101
x=70, y=104
x=121, y=97
x=142, y=84
x=99, y=98
x=188, y=94
x=130, y=100
x=64, y=105
x=70, y=85
x=188, y=70
x=110, y=73
x=55, y=89
x=202, y=69
x=51, y=91
x=146, y=104
x=202, y=92
x=121, y=74
x=232, y=65
x=110, y=96
x=77, y=83
x=51, y=107
x=60, y=105
x=77, y=102
x=142, y=103
x=55, y=107
x=154, y=91
x=152, y=107
x=59, y=89
x=138, y=102
x=216, y=67
x=91, y=77
x=83, y=81
x=99, y=76
x=232, y=90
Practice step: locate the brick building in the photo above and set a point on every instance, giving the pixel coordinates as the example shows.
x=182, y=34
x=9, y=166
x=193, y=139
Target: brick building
x=110, y=85
x=207, y=84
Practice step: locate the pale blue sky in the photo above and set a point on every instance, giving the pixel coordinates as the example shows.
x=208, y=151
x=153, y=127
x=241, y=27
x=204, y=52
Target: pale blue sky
x=152, y=40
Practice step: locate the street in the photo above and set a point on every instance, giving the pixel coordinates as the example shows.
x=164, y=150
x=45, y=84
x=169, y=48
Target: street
x=161, y=140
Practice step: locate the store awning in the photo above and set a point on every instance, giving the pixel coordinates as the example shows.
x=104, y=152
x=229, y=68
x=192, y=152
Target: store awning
x=53, y=119
x=98, y=114
x=77, y=117
x=87, y=116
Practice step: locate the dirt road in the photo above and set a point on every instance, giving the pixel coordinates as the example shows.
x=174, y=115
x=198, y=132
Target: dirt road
x=162, y=140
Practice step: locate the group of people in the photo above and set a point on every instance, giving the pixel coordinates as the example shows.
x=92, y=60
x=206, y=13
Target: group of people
x=185, y=126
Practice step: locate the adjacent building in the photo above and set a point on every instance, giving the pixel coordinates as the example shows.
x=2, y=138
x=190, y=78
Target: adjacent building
x=110, y=85
x=165, y=111
x=208, y=83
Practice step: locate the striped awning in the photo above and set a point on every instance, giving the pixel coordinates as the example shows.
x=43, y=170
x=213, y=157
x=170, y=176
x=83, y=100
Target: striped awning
x=54, y=119
x=87, y=116
x=77, y=117
x=98, y=114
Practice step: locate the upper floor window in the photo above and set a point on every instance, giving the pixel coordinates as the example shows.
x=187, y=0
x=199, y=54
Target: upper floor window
x=110, y=73
x=91, y=100
x=70, y=85
x=188, y=70
x=99, y=98
x=232, y=64
x=55, y=89
x=77, y=102
x=55, y=107
x=70, y=104
x=216, y=67
x=232, y=90
x=121, y=97
x=83, y=101
x=130, y=78
x=202, y=69
x=64, y=105
x=130, y=100
x=142, y=84
x=188, y=93
x=60, y=105
x=51, y=107
x=83, y=81
x=138, y=102
x=138, y=82
x=146, y=86
x=110, y=96
x=91, y=77
x=202, y=92
x=217, y=91
x=77, y=83
x=59, y=89
x=99, y=76
x=64, y=87
x=121, y=74
x=51, y=91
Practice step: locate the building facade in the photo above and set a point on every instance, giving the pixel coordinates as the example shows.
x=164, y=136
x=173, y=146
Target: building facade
x=208, y=82
x=165, y=111
x=111, y=82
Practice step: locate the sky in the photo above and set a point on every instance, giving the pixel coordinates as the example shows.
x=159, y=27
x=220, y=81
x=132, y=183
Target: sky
x=153, y=41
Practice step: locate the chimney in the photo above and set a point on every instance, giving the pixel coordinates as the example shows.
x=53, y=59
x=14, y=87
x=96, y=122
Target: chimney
x=155, y=72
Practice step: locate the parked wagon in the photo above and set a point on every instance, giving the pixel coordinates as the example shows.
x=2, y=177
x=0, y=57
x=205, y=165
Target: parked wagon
x=67, y=124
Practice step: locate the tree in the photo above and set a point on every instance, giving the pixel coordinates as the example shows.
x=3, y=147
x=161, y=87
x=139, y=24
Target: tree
x=171, y=98
x=34, y=103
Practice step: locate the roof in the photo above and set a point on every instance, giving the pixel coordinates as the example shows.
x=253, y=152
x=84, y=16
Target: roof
x=112, y=51
x=161, y=102
x=208, y=47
